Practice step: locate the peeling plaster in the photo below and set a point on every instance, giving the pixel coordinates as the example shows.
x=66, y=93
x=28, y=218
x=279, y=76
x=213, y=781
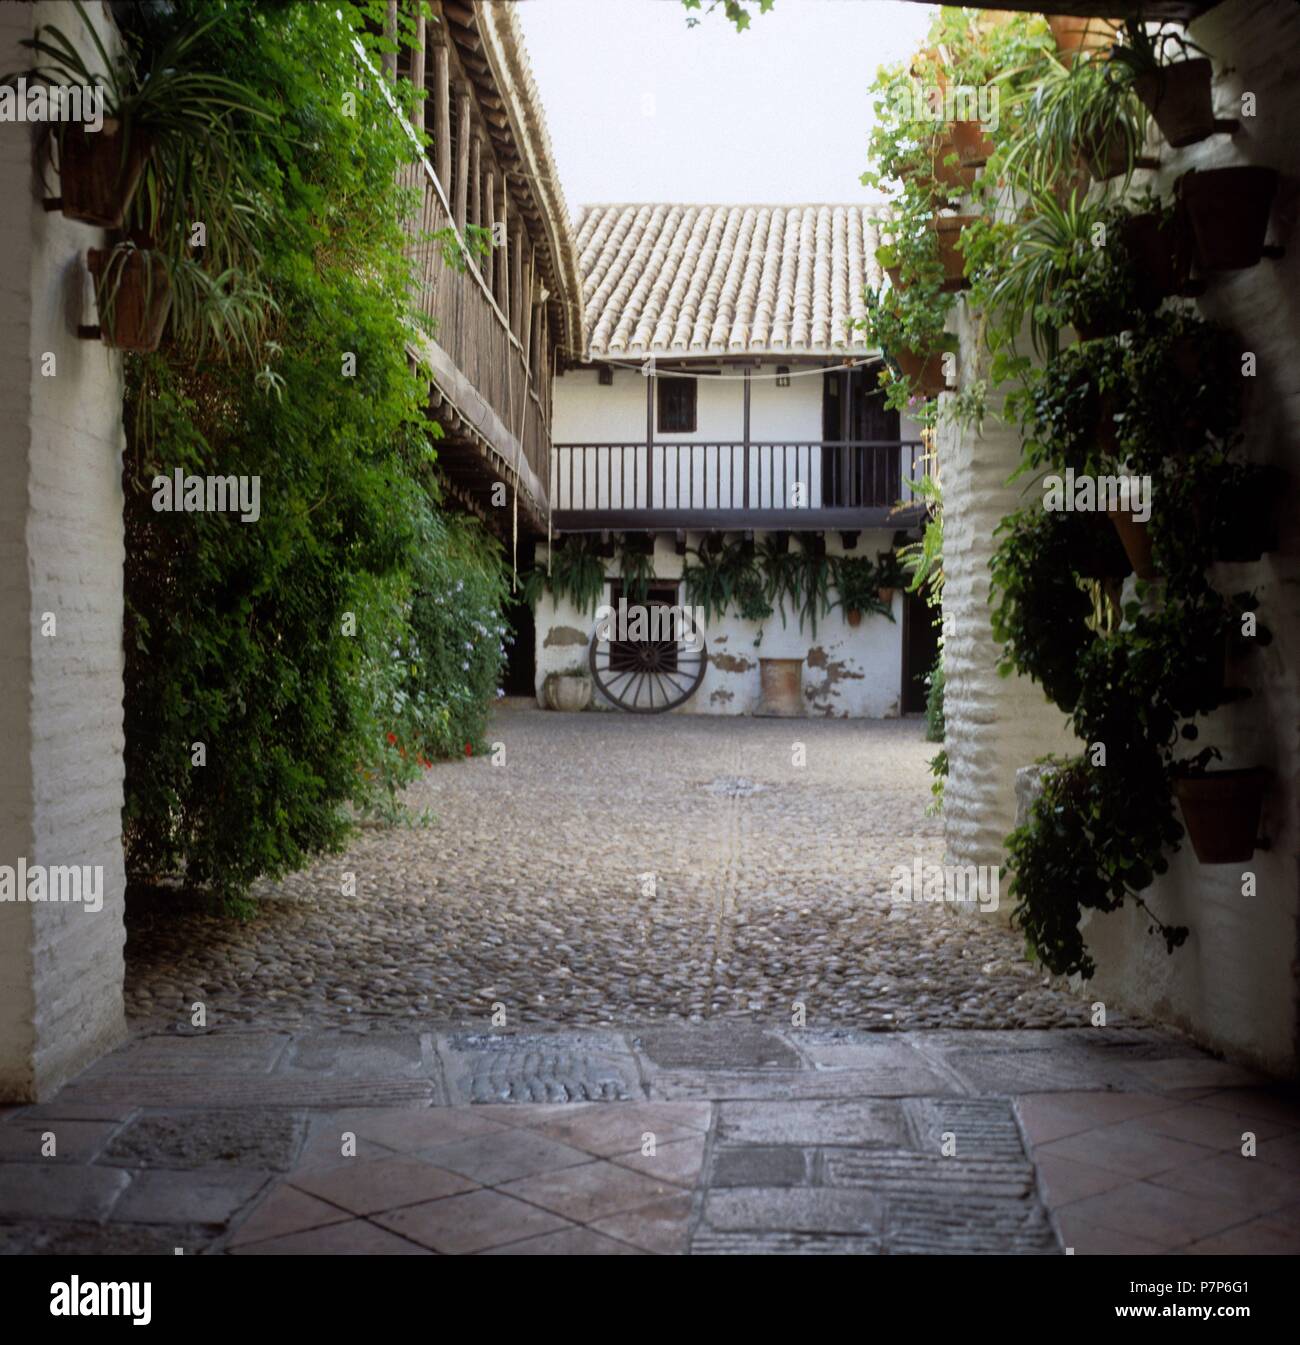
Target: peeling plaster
x=731, y=663
x=837, y=670
x=563, y=635
x=721, y=695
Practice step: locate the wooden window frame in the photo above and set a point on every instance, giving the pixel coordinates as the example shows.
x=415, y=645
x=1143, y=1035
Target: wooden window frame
x=670, y=385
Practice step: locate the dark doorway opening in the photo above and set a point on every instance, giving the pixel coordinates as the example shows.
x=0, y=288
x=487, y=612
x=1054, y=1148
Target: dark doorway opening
x=853, y=411
x=521, y=654
x=920, y=649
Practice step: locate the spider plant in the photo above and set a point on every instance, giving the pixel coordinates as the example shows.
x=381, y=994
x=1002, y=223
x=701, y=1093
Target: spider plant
x=725, y=573
x=1142, y=50
x=576, y=573
x=186, y=122
x=1076, y=117
x=636, y=570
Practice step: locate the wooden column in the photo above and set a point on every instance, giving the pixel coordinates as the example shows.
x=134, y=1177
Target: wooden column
x=442, y=114
x=464, y=133
x=390, y=32
x=526, y=306
x=516, y=307
x=417, y=67
x=650, y=443
x=476, y=179
x=503, y=253
x=489, y=223
x=746, y=431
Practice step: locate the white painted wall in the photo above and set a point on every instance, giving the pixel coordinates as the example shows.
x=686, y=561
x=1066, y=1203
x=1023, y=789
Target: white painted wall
x=1233, y=984
x=587, y=413
x=848, y=672
x=60, y=552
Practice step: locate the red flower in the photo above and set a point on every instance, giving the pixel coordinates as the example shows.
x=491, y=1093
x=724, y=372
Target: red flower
x=469, y=749
x=392, y=737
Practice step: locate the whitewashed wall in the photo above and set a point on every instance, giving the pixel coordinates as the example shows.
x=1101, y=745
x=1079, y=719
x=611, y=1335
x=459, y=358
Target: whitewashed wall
x=587, y=413
x=848, y=672
x=1233, y=984
x=60, y=553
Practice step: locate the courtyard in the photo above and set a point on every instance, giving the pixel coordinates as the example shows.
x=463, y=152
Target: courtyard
x=542, y=1051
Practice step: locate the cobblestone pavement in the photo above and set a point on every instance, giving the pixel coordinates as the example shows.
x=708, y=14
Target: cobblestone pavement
x=711, y=1138
x=616, y=869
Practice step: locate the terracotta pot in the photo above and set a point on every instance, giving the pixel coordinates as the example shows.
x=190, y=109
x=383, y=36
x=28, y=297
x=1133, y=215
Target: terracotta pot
x=1161, y=255
x=95, y=183
x=1074, y=35
x=135, y=296
x=948, y=228
x=782, y=684
x=853, y=616
x=924, y=372
x=895, y=274
x=1228, y=209
x=568, y=692
x=974, y=144
x=1137, y=543
x=886, y=595
x=1221, y=810
x=1178, y=97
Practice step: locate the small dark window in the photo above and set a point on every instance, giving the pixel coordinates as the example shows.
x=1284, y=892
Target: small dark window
x=676, y=405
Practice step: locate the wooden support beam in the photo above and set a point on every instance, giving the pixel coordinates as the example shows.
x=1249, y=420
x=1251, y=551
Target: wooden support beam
x=515, y=309
x=526, y=304
x=476, y=179
x=502, y=264
x=442, y=114
x=390, y=32
x=464, y=133
x=489, y=223
x=417, y=66
x=849, y=541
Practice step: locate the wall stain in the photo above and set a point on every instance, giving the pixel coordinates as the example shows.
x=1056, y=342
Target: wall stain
x=836, y=670
x=563, y=635
x=730, y=663
x=721, y=695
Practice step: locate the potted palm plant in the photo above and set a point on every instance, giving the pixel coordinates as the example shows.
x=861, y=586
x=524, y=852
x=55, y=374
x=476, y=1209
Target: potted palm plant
x=857, y=582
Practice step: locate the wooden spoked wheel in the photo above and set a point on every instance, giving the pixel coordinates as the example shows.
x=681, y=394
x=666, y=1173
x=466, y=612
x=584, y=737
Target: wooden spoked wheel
x=647, y=677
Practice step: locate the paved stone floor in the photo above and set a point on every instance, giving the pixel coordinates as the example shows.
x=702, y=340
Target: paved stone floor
x=615, y=869
x=708, y=1138
x=647, y=1093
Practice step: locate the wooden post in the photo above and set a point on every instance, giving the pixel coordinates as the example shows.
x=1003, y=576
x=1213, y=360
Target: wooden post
x=503, y=258
x=650, y=439
x=516, y=307
x=390, y=32
x=463, y=135
x=526, y=306
x=417, y=67
x=442, y=110
x=746, y=456
x=490, y=223
x=476, y=179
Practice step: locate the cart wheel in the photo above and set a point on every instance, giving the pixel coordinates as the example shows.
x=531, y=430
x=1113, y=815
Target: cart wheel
x=651, y=676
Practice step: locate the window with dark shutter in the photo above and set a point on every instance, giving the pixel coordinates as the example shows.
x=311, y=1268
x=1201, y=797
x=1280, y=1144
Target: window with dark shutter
x=676, y=405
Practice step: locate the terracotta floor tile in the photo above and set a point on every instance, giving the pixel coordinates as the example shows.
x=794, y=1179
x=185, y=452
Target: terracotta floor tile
x=493, y=1159
x=286, y=1210
x=662, y=1227
x=408, y=1131
x=1092, y=1240
x=566, y=1242
x=620, y=1127
x=1263, y=1104
x=679, y=1161
x=471, y=1223
x=1052, y=1116
x=1158, y=1213
x=585, y=1194
x=368, y=1186
x=357, y=1237
x=1063, y=1180
x=1259, y=1237
x=1125, y=1148
x=1258, y=1187
x=1210, y=1126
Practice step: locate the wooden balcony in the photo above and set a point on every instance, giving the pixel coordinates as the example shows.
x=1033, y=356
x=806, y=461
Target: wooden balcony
x=797, y=487
x=487, y=378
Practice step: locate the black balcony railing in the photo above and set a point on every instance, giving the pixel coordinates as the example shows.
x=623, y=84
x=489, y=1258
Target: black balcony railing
x=787, y=485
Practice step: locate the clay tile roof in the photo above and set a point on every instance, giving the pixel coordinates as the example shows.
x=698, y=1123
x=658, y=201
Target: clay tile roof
x=725, y=280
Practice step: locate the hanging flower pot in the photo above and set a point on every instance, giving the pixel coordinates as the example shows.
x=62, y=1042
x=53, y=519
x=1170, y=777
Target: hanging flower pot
x=1137, y=542
x=1074, y=35
x=1221, y=810
x=923, y=372
x=1178, y=96
x=886, y=595
x=948, y=228
x=99, y=172
x=1228, y=209
x=974, y=145
x=1161, y=254
x=1107, y=158
x=853, y=616
x=134, y=296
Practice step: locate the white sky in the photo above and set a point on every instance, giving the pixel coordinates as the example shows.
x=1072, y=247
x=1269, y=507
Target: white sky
x=642, y=108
